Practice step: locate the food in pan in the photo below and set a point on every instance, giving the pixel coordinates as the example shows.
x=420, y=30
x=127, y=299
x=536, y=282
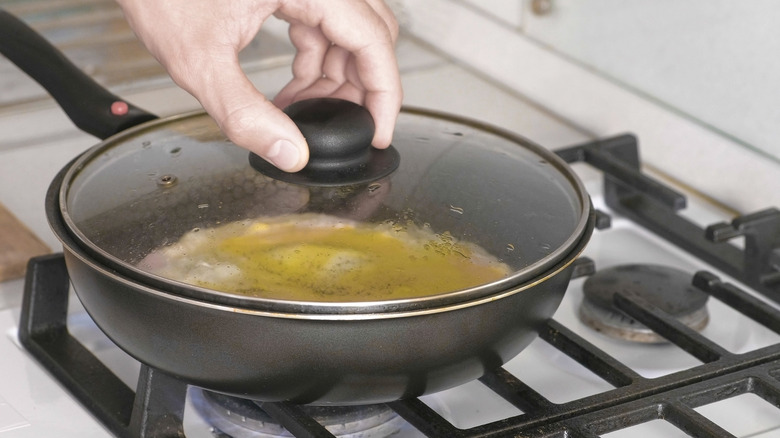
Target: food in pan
x=313, y=257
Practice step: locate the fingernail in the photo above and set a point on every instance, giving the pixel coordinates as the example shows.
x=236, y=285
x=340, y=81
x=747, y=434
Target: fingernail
x=284, y=154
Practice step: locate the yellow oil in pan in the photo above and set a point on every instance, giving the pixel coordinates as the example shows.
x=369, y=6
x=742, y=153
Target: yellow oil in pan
x=322, y=258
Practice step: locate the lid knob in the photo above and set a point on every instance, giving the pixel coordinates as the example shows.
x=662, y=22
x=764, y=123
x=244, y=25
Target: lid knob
x=339, y=135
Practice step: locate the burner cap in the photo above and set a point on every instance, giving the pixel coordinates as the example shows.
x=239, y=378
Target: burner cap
x=667, y=288
x=242, y=418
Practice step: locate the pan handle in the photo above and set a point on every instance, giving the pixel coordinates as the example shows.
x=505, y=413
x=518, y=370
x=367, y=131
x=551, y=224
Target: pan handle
x=92, y=108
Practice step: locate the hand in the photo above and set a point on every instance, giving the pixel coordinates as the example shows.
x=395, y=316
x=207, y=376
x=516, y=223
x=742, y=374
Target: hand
x=345, y=49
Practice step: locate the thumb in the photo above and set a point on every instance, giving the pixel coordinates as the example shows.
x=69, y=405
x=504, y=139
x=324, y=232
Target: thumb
x=250, y=120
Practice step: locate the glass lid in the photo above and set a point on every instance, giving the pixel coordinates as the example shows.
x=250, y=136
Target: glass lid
x=469, y=210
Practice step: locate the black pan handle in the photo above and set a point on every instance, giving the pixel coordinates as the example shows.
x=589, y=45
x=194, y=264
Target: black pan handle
x=92, y=108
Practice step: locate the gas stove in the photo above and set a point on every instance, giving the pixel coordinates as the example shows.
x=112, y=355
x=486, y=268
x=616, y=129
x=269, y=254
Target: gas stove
x=712, y=372
x=647, y=367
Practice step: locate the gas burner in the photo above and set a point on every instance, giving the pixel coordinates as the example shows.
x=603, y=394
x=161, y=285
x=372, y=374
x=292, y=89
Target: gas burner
x=667, y=288
x=236, y=417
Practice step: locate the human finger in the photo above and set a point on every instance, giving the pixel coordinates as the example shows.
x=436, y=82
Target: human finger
x=384, y=11
x=311, y=47
x=246, y=116
x=358, y=28
x=333, y=78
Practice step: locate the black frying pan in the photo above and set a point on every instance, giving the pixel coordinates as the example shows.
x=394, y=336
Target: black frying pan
x=275, y=354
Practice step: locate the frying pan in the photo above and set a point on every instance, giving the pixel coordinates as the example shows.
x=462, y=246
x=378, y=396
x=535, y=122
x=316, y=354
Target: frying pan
x=314, y=352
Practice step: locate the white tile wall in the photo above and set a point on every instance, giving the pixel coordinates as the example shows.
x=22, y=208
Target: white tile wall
x=681, y=147
x=714, y=60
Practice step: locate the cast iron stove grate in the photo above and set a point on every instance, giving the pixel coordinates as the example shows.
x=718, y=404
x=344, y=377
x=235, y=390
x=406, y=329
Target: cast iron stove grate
x=155, y=408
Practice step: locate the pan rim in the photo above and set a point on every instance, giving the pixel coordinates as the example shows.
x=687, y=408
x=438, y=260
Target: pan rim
x=73, y=249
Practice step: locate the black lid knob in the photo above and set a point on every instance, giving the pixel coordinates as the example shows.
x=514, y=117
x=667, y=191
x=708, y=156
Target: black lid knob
x=339, y=135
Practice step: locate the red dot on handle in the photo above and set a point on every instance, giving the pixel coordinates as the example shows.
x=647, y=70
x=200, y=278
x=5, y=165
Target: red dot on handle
x=119, y=108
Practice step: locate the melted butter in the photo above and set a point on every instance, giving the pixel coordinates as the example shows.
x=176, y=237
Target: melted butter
x=319, y=259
